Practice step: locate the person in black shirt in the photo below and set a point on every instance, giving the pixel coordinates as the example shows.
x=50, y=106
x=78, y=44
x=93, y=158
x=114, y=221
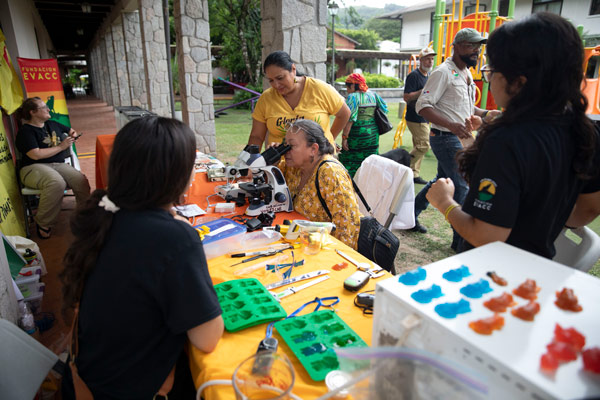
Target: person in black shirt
x=417, y=125
x=526, y=168
x=137, y=273
x=44, y=145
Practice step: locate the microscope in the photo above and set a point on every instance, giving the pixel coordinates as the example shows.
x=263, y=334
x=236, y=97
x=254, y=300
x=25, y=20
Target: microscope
x=268, y=191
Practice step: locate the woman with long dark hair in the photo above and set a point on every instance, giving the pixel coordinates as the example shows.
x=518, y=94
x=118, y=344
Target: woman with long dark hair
x=527, y=168
x=138, y=275
x=291, y=97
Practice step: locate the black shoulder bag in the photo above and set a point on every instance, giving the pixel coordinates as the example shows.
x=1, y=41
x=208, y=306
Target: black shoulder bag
x=381, y=120
x=375, y=242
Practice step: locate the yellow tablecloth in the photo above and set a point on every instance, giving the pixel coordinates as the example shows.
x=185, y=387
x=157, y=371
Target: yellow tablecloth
x=235, y=347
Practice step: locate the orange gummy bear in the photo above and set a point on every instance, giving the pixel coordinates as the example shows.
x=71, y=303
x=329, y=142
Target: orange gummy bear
x=500, y=303
x=486, y=326
x=526, y=312
x=527, y=290
x=497, y=279
x=566, y=300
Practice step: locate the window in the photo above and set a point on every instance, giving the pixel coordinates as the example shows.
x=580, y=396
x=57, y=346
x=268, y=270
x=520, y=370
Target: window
x=595, y=7
x=471, y=9
x=503, y=9
x=553, y=6
x=431, y=26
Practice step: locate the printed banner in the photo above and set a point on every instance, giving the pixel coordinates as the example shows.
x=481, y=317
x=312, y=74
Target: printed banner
x=11, y=94
x=12, y=220
x=42, y=79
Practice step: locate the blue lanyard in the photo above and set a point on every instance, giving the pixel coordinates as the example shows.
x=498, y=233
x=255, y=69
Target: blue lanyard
x=321, y=301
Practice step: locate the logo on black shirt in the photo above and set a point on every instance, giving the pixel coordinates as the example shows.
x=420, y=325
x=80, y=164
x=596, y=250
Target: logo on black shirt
x=486, y=192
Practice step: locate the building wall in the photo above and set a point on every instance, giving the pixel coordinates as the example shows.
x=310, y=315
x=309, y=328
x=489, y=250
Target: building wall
x=20, y=23
x=415, y=29
x=342, y=43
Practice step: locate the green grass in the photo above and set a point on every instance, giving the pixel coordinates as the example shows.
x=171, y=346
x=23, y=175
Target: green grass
x=416, y=249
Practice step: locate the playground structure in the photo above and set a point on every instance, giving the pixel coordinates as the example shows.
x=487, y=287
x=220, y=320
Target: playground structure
x=445, y=26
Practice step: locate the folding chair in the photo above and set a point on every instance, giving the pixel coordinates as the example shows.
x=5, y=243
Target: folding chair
x=388, y=187
x=581, y=254
x=30, y=196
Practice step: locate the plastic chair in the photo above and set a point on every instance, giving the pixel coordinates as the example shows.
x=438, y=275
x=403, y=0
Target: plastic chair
x=24, y=363
x=582, y=255
x=388, y=187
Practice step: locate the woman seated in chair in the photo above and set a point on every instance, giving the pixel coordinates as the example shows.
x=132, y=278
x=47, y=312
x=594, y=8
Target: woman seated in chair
x=44, y=146
x=138, y=274
x=526, y=168
x=311, y=154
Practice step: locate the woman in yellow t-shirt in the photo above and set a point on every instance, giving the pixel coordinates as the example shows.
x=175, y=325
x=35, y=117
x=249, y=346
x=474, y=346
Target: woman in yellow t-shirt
x=291, y=97
x=306, y=158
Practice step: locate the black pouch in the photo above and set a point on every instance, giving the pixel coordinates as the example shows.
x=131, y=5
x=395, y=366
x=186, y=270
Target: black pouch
x=377, y=243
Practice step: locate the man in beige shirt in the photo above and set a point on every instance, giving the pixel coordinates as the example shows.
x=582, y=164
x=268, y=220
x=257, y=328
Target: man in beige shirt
x=448, y=102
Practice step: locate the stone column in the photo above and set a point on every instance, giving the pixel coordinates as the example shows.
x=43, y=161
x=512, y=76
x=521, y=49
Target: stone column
x=195, y=71
x=112, y=69
x=91, y=64
x=155, y=57
x=298, y=28
x=104, y=73
x=99, y=75
x=120, y=62
x=135, y=59
x=96, y=82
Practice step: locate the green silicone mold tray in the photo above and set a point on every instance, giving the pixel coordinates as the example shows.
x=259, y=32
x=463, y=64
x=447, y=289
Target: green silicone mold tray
x=245, y=303
x=313, y=337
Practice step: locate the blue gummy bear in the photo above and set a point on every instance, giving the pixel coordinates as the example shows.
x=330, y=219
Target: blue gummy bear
x=451, y=310
x=456, y=275
x=413, y=277
x=477, y=289
x=424, y=296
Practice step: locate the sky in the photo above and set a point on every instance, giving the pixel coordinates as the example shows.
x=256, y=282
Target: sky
x=380, y=3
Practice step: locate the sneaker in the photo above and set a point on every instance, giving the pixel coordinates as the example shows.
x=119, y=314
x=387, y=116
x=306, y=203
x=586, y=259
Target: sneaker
x=419, y=180
x=418, y=228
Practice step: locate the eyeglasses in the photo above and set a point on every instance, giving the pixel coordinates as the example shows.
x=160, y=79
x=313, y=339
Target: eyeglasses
x=486, y=73
x=45, y=107
x=472, y=46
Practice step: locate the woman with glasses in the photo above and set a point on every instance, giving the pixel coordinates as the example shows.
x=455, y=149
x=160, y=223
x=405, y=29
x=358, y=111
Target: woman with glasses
x=291, y=97
x=311, y=154
x=528, y=166
x=361, y=136
x=44, y=146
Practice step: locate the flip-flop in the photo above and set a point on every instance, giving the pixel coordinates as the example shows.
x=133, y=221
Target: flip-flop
x=47, y=232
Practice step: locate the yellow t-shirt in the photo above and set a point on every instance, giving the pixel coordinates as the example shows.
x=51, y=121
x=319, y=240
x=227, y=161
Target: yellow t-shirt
x=337, y=191
x=319, y=100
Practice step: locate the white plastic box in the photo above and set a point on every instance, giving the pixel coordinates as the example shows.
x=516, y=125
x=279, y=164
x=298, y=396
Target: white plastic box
x=508, y=359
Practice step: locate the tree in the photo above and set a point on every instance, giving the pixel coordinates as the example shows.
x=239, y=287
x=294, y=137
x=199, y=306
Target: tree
x=388, y=29
x=235, y=24
x=368, y=39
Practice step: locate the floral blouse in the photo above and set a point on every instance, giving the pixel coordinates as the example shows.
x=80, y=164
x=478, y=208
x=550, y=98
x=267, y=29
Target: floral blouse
x=337, y=191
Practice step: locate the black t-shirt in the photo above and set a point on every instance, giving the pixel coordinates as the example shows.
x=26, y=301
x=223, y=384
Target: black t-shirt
x=51, y=135
x=524, y=180
x=414, y=81
x=149, y=287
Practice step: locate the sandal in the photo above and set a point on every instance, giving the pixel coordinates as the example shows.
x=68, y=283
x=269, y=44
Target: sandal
x=47, y=232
